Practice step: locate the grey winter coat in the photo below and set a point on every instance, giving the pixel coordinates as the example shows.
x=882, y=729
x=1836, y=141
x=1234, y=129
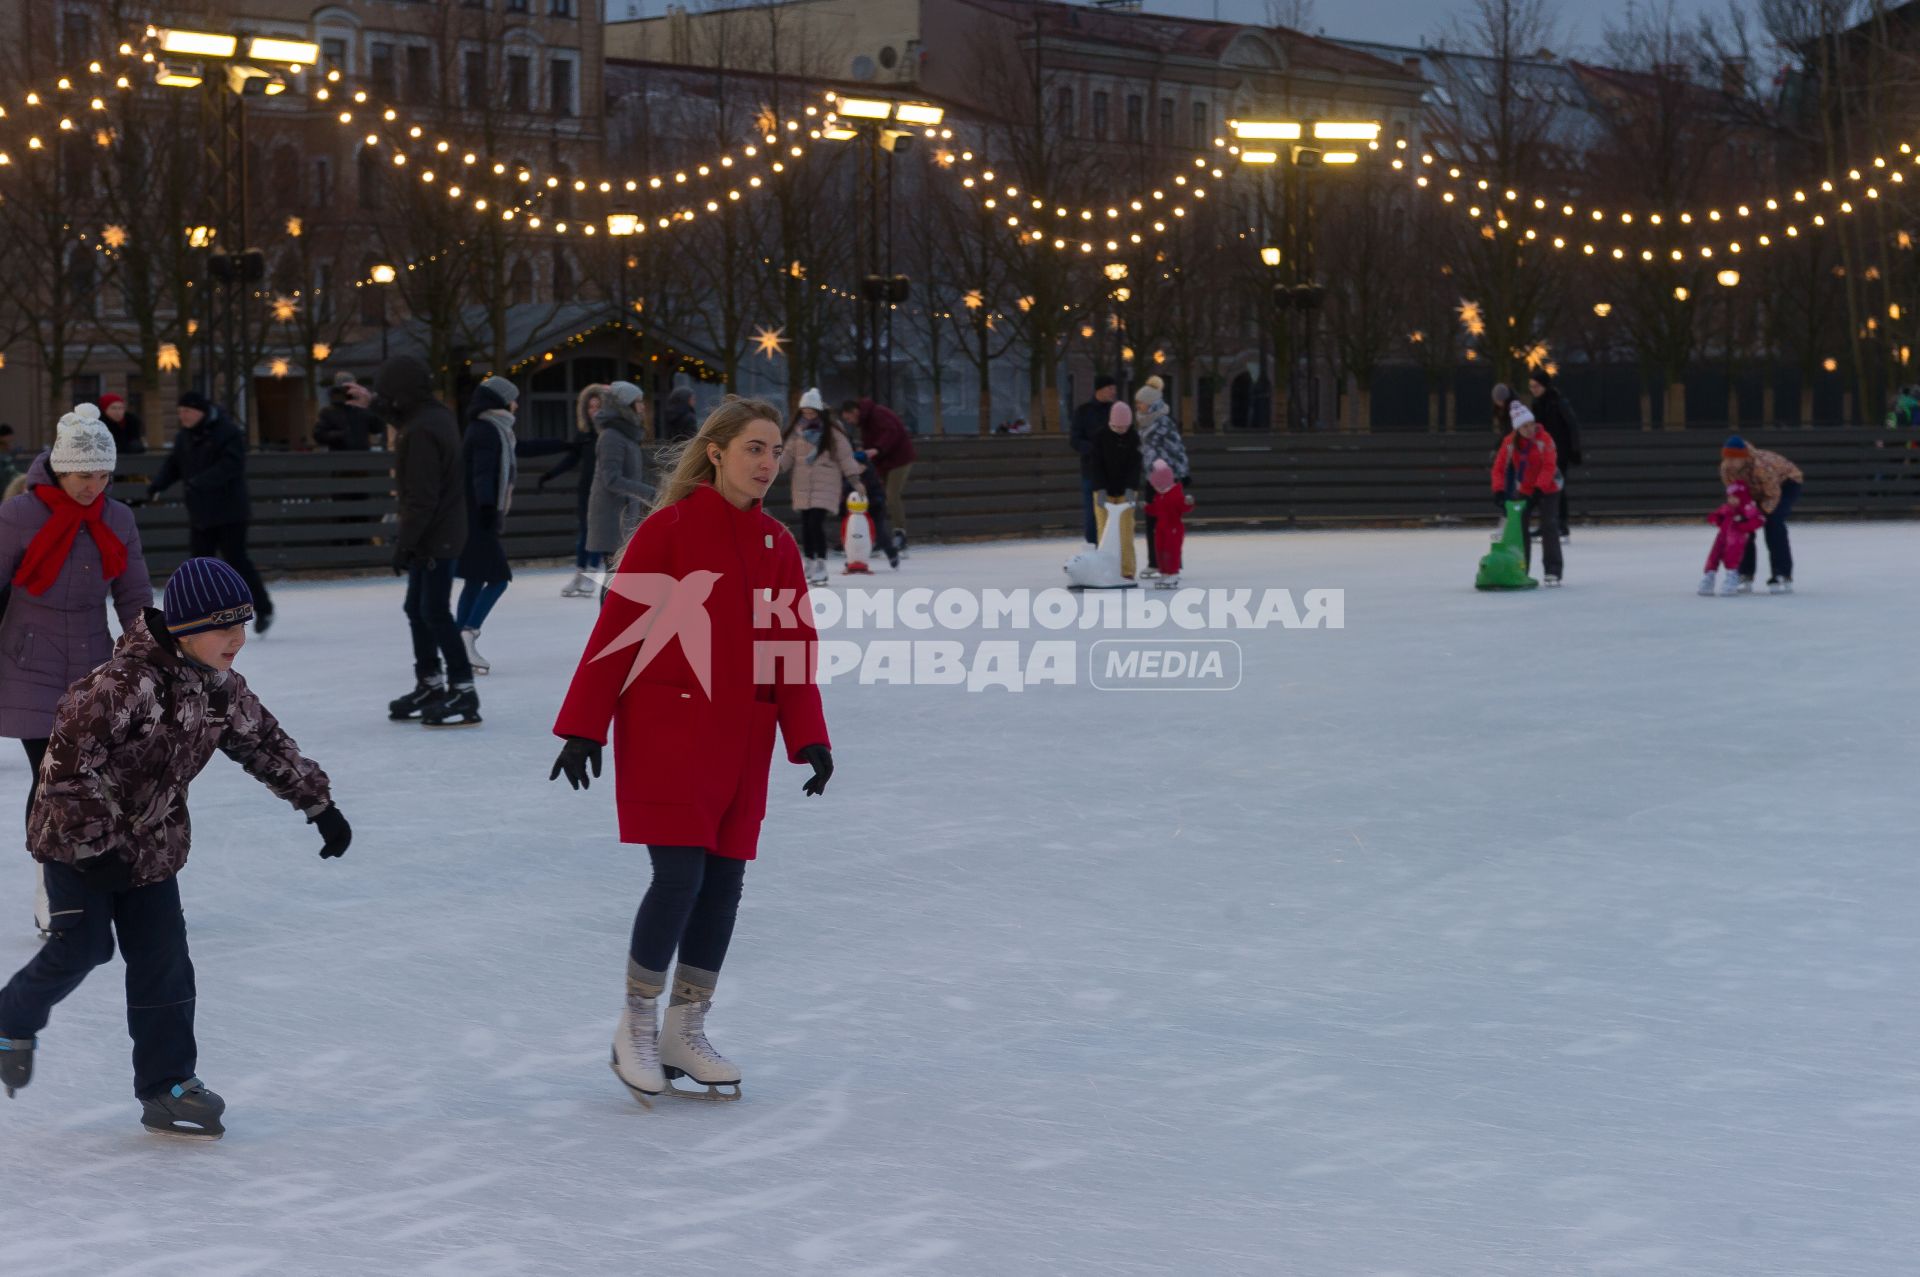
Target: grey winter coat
x=1160, y=441
x=620, y=494
x=51, y=642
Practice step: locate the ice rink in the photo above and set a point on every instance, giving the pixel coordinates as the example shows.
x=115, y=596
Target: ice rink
x=1560, y=933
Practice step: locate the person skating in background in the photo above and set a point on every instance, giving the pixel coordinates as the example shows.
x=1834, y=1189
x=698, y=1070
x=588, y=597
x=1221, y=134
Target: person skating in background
x=129, y=432
x=1116, y=477
x=678, y=420
x=1775, y=483
x=620, y=490
x=1089, y=423
x=1555, y=415
x=693, y=728
x=579, y=462
x=1167, y=516
x=491, y=467
x=889, y=447
x=345, y=426
x=432, y=531
x=1159, y=441
x=209, y=458
x=1525, y=468
x=1738, y=519
x=112, y=829
x=68, y=551
x=821, y=459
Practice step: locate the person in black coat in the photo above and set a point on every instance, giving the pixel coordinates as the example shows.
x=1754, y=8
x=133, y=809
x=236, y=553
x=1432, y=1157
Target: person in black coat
x=124, y=424
x=677, y=419
x=431, y=472
x=1115, y=454
x=345, y=426
x=1089, y=422
x=209, y=458
x=1551, y=410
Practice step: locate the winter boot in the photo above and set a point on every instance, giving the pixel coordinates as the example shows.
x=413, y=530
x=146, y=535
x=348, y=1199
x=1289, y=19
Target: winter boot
x=16, y=1063
x=470, y=639
x=1733, y=583
x=636, y=1049
x=423, y=695
x=188, y=1110
x=459, y=707
x=581, y=587
x=685, y=1052
x=1707, y=584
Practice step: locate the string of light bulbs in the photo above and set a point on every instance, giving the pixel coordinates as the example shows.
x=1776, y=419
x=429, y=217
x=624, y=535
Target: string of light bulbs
x=1152, y=213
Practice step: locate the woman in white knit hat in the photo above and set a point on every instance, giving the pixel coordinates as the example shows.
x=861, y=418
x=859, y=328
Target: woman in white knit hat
x=66, y=548
x=820, y=456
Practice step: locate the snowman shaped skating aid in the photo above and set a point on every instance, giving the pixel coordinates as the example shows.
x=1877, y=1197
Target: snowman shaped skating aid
x=856, y=535
x=1099, y=568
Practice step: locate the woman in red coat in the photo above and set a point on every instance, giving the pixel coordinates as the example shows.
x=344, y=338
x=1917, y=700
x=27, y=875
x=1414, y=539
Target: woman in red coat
x=703, y=647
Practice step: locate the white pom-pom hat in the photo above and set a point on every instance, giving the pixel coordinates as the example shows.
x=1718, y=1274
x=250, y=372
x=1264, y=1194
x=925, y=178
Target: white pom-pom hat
x=83, y=444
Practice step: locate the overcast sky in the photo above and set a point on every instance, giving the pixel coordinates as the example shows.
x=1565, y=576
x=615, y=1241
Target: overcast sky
x=1581, y=25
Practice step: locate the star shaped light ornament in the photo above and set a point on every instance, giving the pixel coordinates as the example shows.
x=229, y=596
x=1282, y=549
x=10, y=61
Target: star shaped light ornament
x=770, y=342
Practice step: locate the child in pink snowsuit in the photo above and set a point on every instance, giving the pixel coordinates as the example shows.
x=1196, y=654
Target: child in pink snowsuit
x=1737, y=520
x=1169, y=511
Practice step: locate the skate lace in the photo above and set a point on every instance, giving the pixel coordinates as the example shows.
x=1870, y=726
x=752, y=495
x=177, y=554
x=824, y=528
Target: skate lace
x=642, y=1032
x=694, y=1032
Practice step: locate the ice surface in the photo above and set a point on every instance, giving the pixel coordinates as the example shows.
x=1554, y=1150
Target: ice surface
x=1569, y=932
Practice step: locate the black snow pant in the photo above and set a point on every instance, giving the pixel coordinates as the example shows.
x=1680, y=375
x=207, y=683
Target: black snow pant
x=229, y=541
x=1779, y=549
x=690, y=907
x=1543, y=520
x=36, y=751
x=813, y=533
x=160, y=991
x=436, y=635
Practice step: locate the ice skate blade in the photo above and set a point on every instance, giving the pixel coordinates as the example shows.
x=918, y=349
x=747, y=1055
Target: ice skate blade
x=713, y=1091
x=645, y=1097
x=465, y=722
x=205, y=1135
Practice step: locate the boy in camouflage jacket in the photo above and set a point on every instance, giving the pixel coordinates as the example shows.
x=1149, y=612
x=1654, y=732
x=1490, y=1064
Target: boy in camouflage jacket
x=111, y=825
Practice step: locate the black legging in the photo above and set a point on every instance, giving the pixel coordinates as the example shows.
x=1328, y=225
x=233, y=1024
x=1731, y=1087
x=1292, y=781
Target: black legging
x=813, y=533
x=690, y=907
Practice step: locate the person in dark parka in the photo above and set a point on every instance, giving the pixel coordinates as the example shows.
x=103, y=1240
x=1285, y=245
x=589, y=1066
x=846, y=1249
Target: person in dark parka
x=1551, y=410
x=1089, y=422
x=431, y=472
x=209, y=459
x=677, y=419
x=343, y=425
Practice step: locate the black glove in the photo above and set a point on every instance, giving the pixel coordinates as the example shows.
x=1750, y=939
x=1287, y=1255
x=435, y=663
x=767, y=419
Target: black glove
x=821, y=759
x=1500, y=502
x=405, y=561
x=334, y=828
x=576, y=756
x=105, y=872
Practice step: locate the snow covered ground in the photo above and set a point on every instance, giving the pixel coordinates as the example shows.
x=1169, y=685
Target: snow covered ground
x=1569, y=932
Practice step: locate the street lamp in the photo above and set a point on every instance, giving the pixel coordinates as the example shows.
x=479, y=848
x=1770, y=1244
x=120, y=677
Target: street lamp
x=621, y=226
x=383, y=275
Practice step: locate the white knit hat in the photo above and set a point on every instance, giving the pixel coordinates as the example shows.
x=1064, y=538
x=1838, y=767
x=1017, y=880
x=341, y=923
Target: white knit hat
x=813, y=399
x=1520, y=414
x=83, y=444
x=625, y=393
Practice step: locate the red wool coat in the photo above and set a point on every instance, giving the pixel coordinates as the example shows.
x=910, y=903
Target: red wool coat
x=1538, y=463
x=694, y=716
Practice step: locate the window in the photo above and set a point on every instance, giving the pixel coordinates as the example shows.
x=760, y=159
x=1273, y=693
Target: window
x=333, y=54
x=371, y=173
x=76, y=36
x=560, y=86
x=519, y=82
x=1063, y=112
x=563, y=287
x=560, y=8
x=81, y=278
x=380, y=69
x=1202, y=124
x=516, y=6
x=420, y=86
x=1166, y=122
x=1136, y=118
x=1100, y=116
x=322, y=183
x=561, y=196
x=323, y=292
x=286, y=273
x=474, y=68
x=284, y=176
x=520, y=285
x=373, y=297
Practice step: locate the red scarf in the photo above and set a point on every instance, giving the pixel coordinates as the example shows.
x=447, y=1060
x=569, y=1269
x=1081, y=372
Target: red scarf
x=40, y=566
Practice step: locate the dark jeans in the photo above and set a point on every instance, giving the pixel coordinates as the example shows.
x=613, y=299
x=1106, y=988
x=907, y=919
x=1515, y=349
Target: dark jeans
x=690, y=906
x=229, y=541
x=160, y=990
x=584, y=560
x=476, y=603
x=1086, y=508
x=1779, y=549
x=1153, y=555
x=1566, y=503
x=813, y=533
x=1543, y=520
x=435, y=633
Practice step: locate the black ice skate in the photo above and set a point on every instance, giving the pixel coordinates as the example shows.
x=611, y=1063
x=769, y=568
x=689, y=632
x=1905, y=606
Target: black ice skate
x=411, y=705
x=458, y=708
x=900, y=542
x=16, y=1063
x=188, y=1110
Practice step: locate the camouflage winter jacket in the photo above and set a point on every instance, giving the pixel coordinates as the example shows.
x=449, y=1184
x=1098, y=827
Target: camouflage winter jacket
x=130, y=737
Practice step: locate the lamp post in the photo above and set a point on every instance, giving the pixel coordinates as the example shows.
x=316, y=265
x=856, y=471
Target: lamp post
x=1275, y=142
x=216, y=63
x=1729, y=280
x=621, y=226
x=875, y=119
x=383, y=276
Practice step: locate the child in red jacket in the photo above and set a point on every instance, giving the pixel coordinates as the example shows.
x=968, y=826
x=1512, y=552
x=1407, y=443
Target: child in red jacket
x=1168, y=510
x=1737, y=520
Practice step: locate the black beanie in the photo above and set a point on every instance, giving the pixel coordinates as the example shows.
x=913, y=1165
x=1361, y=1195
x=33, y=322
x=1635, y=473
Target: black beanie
x=1101, y=382
x=194, y=399
x=1542, y=376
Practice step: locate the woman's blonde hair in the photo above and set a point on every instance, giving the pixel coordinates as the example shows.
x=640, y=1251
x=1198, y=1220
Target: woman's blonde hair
x=687, y=465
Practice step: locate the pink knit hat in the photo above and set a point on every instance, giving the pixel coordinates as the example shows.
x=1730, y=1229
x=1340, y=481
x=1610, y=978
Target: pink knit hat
x=1160, y=476
x=1121, y=416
